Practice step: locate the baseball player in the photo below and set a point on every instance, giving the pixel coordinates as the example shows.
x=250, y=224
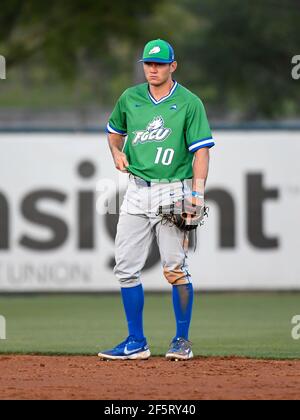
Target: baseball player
x=166, y=156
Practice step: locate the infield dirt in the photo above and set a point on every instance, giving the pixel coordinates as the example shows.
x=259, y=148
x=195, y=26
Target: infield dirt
x=76, y=377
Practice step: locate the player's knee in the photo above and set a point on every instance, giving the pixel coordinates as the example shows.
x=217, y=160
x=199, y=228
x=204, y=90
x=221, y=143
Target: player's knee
x=176, y=276
x=126, y=277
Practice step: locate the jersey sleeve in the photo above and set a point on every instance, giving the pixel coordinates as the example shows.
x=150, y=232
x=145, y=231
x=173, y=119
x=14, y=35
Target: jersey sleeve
x=117, y=123
x=197, y=132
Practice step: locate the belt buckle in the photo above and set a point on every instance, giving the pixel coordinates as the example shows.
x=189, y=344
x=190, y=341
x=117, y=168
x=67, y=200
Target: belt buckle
x=142, y=182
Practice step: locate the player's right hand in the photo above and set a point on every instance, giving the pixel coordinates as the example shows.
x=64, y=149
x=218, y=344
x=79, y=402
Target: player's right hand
x=121, y=162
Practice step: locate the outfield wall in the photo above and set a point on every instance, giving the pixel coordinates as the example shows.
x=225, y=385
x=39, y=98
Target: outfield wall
x=53, y=239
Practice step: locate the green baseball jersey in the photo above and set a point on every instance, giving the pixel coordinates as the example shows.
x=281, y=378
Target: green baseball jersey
x=162, y=135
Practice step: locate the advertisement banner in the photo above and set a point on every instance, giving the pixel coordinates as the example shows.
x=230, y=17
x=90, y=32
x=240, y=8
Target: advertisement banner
x=55, y=234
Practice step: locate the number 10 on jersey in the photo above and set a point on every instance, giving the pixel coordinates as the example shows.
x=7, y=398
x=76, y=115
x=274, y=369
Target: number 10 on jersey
x=164, y=156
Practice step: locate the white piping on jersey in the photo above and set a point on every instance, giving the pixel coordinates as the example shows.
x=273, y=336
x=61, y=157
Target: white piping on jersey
x=165, y=97
x=111, y=130
x=201, y=143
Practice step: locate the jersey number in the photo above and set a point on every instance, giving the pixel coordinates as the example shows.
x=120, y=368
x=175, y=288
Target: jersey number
x=165, y=158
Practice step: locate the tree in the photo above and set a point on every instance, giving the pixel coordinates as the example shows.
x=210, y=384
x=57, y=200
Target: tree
x=244, y=51
x=64, y=31
x=235, y=54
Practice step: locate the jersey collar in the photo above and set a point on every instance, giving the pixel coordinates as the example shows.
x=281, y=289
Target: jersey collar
x=165, y=97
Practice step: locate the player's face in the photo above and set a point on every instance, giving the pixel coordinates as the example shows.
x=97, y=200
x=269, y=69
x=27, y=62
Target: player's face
x=158, y=74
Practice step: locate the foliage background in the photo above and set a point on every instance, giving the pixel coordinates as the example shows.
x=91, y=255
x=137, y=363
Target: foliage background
x=81, y=54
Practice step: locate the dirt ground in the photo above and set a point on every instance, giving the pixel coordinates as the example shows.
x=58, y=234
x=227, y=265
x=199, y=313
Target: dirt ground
x=50, y=378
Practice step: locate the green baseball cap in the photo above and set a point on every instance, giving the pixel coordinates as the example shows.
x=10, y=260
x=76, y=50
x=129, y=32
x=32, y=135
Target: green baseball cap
x=158, y=51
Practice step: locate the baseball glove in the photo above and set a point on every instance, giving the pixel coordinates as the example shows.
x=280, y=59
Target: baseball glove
x=183, y=214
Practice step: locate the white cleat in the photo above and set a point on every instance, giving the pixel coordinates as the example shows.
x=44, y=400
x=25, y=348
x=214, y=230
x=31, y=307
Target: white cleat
x=180, y=349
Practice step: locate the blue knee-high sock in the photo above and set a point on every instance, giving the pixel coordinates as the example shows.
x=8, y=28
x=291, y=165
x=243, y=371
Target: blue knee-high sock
x=183, y=297
x=133, y=301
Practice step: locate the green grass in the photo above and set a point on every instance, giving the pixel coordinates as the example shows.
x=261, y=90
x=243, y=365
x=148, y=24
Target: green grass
x=251, y=325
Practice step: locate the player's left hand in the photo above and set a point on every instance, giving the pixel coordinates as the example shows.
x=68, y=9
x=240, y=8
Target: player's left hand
x=192, y=206
x=185, y=214
x=195, y=201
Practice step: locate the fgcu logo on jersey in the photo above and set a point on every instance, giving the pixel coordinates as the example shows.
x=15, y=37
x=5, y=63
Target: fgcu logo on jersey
x=154, y=132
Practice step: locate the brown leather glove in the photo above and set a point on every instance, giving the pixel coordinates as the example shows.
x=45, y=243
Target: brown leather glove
x=183, y=214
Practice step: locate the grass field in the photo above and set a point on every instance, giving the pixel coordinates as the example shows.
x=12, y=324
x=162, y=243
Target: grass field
x=252, y=325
